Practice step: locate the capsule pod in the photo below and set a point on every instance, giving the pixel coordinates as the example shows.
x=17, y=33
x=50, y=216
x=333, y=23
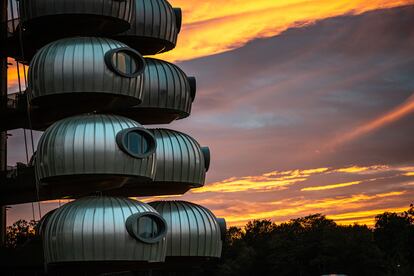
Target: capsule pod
x=154, y=27
x=88, y=153
x=168, y=94
x=102, y=231
x=85, y=74
x=181, y=165
x=194, y=231
x=57, y=18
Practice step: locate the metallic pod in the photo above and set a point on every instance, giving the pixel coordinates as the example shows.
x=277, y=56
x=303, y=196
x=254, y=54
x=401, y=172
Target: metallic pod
x=181, y=165
x=101, y=231
x=168, y=94
x=154, y=27
x=194, y=231
x=87, y=153
x=85, y=74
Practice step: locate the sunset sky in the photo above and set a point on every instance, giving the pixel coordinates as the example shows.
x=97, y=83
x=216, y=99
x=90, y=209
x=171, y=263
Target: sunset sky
x=307, y=107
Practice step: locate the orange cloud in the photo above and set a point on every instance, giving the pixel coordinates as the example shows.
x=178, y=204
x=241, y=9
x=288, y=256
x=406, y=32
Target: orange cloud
x=214, y=26
x=358, y=169
x=269, y=181
x=363, y=217
x=12, y=75
x=280, y=180
x=338, y=205
x=332, y=186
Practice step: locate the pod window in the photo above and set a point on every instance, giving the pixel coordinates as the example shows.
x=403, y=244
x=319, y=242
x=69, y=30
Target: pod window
x=125, y=62
x=146, y=227
x=137, y=142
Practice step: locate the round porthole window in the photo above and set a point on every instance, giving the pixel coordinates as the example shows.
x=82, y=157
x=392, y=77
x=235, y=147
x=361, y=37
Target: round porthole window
x=146, y=227
x=125, y=62
x=137, y=142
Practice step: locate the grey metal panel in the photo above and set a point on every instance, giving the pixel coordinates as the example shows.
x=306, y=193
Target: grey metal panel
x=168, y=94
x=193, y=229
x=81, y=153
x=93, y=229
x=179, y=159
x=154, y=28
x=73, y=73
x=101, y=16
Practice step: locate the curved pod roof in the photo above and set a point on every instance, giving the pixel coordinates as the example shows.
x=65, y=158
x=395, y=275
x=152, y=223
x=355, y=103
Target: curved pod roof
x=154, y=28
x=193, y=230
x=86, y=74
x=180, y=166
x=97, y=229
x=168, y=94
x=88, y=153
x=72, y=17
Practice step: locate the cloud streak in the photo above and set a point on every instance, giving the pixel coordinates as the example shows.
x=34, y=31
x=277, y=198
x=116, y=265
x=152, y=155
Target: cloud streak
x=382, y=121
x=214, y=26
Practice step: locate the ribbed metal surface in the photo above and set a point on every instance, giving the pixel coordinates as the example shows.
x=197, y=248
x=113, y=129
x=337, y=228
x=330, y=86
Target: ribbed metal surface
x=93, y=229
x=154, y=28
x=167, y=94
x=179, y=159
x=82, y=152
x=193, y=229
x=102, y=15
x=73, y=73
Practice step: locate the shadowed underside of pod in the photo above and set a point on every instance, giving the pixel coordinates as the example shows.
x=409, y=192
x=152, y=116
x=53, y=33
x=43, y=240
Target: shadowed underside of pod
x=44, y=21
x=100, y=233
x=168, y=94
x=194, y=231
x=85, y=74
x=88, y=153
x=181, y=165
x=154, y=27
x=74, y=17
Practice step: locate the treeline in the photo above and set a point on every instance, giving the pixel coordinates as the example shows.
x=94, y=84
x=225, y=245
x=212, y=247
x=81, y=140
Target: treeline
x=312, y=245
x=315, y=245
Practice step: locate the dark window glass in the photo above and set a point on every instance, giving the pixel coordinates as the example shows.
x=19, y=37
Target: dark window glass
x=136, y=143
x=125, y=63
x=147, y=228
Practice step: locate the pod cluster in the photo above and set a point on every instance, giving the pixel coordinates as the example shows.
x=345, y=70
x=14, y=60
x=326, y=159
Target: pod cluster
x=90, y=74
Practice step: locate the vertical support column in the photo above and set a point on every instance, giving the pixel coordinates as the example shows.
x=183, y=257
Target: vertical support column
x=3, y=104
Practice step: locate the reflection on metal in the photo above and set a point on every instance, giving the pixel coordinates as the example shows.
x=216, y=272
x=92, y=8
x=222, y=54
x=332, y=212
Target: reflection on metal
x=92, y=229
x=193, y=229
x=168, y=94
x=40, y=226
x=73, y=73
x=154, y=28
x=72, y=17
x=81, y=155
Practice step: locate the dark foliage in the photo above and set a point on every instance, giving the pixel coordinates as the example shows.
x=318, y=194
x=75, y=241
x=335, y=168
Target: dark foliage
x=19, y=233
x=315, y=245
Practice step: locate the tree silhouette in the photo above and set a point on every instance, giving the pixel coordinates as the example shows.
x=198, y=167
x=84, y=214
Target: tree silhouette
x=19, y=233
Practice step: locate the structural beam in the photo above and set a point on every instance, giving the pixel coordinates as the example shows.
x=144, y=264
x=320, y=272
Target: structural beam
x=3, y=105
